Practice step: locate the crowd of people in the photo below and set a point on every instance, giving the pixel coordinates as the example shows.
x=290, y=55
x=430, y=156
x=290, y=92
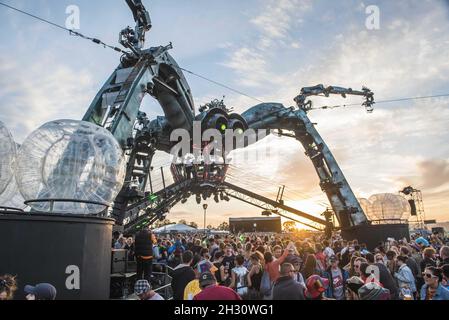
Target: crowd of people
x=281, y=267
x=259, y=266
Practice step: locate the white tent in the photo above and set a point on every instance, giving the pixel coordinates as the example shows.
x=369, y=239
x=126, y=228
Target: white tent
x=174, y=228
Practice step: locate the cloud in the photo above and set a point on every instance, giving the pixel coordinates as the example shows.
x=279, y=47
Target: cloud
x=277, y=17
x=35, y=93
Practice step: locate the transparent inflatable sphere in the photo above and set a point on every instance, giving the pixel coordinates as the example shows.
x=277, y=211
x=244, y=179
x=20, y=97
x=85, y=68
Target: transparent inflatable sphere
x=11, y=197
x=7, y=157
x=70, y=160
x=386, y=206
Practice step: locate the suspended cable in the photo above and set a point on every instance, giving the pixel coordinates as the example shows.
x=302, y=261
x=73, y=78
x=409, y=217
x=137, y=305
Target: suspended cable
x=383, y=101
x=219, y=84
x=71, y=32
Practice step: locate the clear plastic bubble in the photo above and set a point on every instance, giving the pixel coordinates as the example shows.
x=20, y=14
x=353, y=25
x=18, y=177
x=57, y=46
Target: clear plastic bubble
x=70, y=160
x=386, y=206
x=7, y=157
x=11, y=197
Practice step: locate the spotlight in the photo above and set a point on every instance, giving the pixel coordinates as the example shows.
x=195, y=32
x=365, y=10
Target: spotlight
x=216, y=198
x=226, y=198
x=198, y=199
x=184, y=200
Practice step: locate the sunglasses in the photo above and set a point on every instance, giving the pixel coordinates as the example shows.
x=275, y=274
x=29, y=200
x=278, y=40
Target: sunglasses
x=428, y=275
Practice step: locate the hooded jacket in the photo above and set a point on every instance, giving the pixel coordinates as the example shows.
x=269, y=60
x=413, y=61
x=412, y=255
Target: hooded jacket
x=181, y=276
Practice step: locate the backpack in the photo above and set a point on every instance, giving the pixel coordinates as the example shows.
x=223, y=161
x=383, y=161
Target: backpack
x=266, y=284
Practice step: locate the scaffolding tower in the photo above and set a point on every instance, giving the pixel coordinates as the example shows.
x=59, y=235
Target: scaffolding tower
x=417, y=213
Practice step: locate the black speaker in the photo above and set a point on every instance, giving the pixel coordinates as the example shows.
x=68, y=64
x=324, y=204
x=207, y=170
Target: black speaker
x=412, y=207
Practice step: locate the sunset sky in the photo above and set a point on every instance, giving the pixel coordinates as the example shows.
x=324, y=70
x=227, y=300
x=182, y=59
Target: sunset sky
x=268, y=49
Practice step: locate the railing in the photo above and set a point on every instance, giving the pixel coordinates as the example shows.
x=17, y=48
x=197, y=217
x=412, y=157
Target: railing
x=389, y=221
x=167, y=280
x=10, y=210
x=53, y=201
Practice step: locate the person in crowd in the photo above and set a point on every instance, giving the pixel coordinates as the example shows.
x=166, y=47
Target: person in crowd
x=120, y=243
x=391, y=261
x=144, y=254
x=254, y=277
x=8, y=286
x=277, y=251
x=310, y=267
x=295, y=261
x=219, y=274
x=175, y=252
x=213, y=247
x=193, y=287
x=337, y=279
x=182, y=275
x=129, y=245
x=197, y=247
x=205, y=264
x=142, y=289
x=433, y=288
x=373, y=291
x=445, y=271
x=320, y=257
x=444, y=255
x=353, y=285
x=115, y=237
x=316, y=287
x=228, y=263
x=428, y=258
x=404, y=276
x=238, y=277
x=272, y=264
x=411, y=262
x=41, y=291
x=328, y=251
x=422, y=242
x=210, y=290
x=385, y=277
x=286, y=287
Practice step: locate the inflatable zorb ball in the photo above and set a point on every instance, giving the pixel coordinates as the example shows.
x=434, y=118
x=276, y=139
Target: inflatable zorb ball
x=7, y=156
x=70, y=160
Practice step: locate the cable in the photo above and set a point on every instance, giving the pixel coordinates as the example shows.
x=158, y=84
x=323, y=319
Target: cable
x=71, y=32
x=383, y=101
x=97, y=41
x=219, y=84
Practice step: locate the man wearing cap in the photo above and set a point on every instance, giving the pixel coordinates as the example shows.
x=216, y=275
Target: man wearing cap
x=142, y=289
x=42, y=291
x=316, y=287
x=337, y=279
x=211, y=291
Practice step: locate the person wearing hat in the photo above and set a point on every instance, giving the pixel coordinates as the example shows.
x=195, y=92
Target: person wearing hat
x=373, y=291
x=42, y=291
x=142, y=289
x=211, y=291
x=316, y=287
x=337, y=279
x=296, y=263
